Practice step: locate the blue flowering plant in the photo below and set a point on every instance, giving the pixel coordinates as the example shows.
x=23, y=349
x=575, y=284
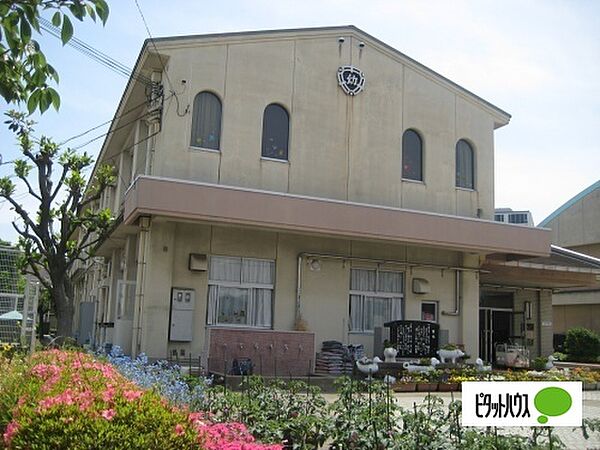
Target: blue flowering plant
x=165, y=379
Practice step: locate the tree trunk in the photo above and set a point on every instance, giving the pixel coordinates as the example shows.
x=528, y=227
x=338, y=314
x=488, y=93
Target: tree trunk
x=62, y=295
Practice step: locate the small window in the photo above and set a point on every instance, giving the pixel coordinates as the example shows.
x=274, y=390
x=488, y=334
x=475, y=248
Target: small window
x=429, y=311
x=240, y=291
x=375, y=298
x=412, y=156
x=499, y=217
x=517, y=218
x=276, y=130
x=206, y=121
x=465, y=174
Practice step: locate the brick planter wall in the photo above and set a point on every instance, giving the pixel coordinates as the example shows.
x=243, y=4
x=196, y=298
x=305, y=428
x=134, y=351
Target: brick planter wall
x=273, y=353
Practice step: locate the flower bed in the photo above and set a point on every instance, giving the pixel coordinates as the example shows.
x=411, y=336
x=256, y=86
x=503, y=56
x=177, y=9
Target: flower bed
x=62, y=399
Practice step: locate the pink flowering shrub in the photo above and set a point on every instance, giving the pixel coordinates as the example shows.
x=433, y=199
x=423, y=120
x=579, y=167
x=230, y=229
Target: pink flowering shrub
x=65, y=399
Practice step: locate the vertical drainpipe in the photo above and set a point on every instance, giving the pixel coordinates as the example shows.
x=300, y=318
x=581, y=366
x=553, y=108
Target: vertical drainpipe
x=136, y=337
x=154, y=121
x=538, y=308
x=457, y=283
x=298, y=290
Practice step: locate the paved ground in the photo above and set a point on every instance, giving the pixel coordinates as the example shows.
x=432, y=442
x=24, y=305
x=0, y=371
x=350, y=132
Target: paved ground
x=573, y=439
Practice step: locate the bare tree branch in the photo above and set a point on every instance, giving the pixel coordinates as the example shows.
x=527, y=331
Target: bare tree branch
x=31, y=191
x=24, y=216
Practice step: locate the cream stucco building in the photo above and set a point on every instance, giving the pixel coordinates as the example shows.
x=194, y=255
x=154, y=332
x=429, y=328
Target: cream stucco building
x=315, y=180
x=576, y=225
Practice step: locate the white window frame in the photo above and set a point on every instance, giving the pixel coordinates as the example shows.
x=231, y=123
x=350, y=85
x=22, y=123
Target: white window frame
x=252, y=287
x=436, y=306
x=391, y=296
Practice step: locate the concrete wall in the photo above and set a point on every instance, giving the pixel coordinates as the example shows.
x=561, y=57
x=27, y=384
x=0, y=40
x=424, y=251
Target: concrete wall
x=540, y=337
x=325, y=293
x=570, y=316
x=578, y=226
x=341, y=147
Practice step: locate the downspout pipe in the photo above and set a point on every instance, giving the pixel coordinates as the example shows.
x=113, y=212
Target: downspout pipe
x=298, y=313
x=457, y=280
x=139, y=286
x=457, y=286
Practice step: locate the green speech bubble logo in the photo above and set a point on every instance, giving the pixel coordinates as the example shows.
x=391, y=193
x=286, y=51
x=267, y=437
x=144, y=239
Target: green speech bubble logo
x=552, y=401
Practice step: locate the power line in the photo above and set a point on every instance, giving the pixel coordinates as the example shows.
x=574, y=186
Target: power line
x=154, y=45
x=95, y=54
x=83, y=133
x=113, y=130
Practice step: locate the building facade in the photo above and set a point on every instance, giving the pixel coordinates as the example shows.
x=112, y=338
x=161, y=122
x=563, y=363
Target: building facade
x=303, y=181
x=507, y=215
x=576, y=226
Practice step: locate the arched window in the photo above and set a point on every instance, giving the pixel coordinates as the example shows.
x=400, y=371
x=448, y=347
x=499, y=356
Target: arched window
x=276, y=131
x=465, y=167
x=206, y=121
x=412, y=156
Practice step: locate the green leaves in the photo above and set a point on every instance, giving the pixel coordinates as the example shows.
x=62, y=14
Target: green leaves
x=57, y=19
x=102, y=10
x=25, y=31
x=7, y=187
x=22, y=169
x=25, y=74
x=66, y=32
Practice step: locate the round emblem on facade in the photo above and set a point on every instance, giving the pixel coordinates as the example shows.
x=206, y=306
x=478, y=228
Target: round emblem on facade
x=351, y=79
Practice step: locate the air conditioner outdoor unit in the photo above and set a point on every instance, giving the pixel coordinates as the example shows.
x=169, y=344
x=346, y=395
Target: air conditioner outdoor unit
x=420, y=286
x=198, y=262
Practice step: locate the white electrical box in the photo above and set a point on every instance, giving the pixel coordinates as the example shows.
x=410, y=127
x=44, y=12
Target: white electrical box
x=183, y=304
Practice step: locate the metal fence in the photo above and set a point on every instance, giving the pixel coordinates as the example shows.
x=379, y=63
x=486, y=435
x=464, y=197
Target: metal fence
x=18, y=302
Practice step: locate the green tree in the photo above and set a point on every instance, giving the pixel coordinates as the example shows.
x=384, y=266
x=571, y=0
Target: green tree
x=25, y=74
x=67, y=224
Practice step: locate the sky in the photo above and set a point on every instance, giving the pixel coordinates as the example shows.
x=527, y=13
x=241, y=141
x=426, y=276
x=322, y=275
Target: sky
x=537, y=60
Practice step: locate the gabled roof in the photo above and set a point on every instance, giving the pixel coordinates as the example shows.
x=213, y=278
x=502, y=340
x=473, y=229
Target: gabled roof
x=502, y=115
x=570, y=203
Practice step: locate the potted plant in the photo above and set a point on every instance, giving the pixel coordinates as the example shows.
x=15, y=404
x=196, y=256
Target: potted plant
x=446, y=385
x=405, y=383
x=427, y=381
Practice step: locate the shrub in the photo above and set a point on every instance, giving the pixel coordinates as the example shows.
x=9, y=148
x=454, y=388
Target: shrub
x=582, y=344
x=60, y=399
x=539, y=363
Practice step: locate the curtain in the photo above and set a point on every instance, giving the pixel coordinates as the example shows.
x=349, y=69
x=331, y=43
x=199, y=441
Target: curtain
x=464, y=165
x=224, y=268
x=256, y=271
x=396, y=308
x=206, y=121
x=213, y=300
x=356, y=313
x=233, y=305
x=377, y=311
x=389, y=282
x=362, y=280
x=366, y=312
x=262, y=308
x=276, y=129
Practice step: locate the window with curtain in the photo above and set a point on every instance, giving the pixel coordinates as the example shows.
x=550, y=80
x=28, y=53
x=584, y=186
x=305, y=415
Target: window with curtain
x=206, y=121
x=465, y=168
x=240, y=291
x=412, y=156
x=375, y=298
x=276, y=130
